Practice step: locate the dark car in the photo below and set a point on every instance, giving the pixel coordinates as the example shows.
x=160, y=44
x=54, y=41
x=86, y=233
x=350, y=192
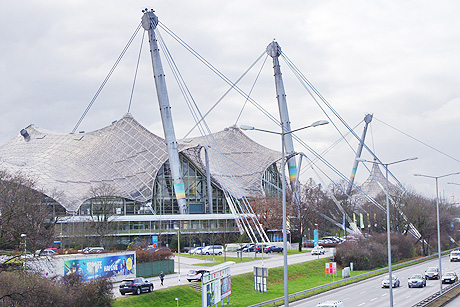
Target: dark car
x=261, y=247
x=196, y=275
x=136, y=286
x=449, y=277
x=416, y=280
x=245, y=246
x=273, y=249
x=249, y=249
x=432, y=273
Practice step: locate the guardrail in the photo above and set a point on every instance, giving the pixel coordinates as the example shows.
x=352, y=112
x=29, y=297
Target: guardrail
x=346, y=281
x=434, y=297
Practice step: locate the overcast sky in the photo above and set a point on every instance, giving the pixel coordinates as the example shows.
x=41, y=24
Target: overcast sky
x=396, y=59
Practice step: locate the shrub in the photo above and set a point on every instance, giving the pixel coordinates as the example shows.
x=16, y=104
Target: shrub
x=152, y=256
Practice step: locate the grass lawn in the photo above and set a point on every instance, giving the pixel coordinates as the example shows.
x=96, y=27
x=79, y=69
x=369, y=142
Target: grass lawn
x=302, y=276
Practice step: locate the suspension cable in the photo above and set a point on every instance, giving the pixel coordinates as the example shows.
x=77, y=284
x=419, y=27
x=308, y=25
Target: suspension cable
x=135, y=73
x=106, y=78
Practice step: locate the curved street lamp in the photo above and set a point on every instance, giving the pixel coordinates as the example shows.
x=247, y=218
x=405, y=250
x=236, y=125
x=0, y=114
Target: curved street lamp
x=385, y=165
x=283, y=187
x=437, y=221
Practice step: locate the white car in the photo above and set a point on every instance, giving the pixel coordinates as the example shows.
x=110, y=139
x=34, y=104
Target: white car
x=318, y=250
x=213, y=250
x=330, y=304
x=196, y=251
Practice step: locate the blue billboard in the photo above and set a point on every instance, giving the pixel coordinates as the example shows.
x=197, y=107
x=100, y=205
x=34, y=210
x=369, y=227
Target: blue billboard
x=107, y=266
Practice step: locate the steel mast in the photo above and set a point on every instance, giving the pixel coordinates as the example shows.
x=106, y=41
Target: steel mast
x=149, y=23
x=274, y=50
x=367, y=120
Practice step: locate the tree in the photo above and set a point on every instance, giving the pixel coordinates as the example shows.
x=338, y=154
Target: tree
x=103, y=204
x=26, y=214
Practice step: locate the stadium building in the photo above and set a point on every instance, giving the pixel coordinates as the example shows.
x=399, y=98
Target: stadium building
x=129, y=165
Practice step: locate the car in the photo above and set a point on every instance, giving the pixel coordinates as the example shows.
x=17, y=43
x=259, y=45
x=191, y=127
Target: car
x=91, y=250
x=196, y=275
x=135, y=286
x=213, y=250
x=196, y=251
x=449, y=278
x=330, y=304
x=45, y=252
x=432, y=273
x=273, y=249
x=54, y=249
x=249, y=249
x=245, y=246
x=318, y=250
x=394, y=284
x=454, y=256
x=259, y=248
x=416, y=281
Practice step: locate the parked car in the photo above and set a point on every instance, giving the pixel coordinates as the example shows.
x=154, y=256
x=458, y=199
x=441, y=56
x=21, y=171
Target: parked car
x=241, y=248
x=416, y=280
x=54, y=249
x=249, y=248
x=45, y=252
x=196, y=275
x=273, y=249
x=259, y=248
x=213, y=250
x=196, y=251
x=394, y=284
x=91, y=250
x=135, y=286
x=449, y=278
x=454, y=256
x=432, y=273
x=318, y=250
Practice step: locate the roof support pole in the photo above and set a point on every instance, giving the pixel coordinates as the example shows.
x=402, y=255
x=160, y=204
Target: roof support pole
x=149, y=23
x=367, y=120
x=274, y=50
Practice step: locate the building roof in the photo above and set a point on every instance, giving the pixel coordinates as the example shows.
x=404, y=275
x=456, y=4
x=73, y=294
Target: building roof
x=127, y=156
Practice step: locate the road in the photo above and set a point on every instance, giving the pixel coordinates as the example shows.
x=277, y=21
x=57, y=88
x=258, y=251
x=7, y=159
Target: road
x=188, y=263
x=369, y=292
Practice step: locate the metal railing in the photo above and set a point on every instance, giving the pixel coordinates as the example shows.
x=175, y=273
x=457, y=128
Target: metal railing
x=347, y=280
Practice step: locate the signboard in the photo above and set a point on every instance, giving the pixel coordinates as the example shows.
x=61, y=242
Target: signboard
x=315, y=235
x=216, y=285
x=155, y=241
x=110, y=266
x=260, y=279
x=331, y=267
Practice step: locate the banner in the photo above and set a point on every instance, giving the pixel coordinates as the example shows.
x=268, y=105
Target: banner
x=92, y=268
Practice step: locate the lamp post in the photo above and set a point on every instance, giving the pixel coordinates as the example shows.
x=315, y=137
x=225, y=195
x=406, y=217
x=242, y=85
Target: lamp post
x=283, y=187
x=388, y=218
x=437, y=222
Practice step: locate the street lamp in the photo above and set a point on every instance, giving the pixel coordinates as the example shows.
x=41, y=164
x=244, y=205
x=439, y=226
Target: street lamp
x=283, y=187
x=388, y=218
x=437, y=221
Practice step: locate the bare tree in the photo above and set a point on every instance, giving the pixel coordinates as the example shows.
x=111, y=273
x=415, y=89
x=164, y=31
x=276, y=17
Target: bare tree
x=103, y=203
x=26, y=214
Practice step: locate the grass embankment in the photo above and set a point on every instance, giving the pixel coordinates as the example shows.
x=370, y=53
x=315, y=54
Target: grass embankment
x=302, y=276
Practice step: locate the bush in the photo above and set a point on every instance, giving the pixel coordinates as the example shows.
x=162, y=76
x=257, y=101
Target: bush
x=372, y=252
x=152, y=256
x=26, y=289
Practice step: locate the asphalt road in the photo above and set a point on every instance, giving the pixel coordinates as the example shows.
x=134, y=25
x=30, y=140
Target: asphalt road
x=184, y=264
x=369, y=292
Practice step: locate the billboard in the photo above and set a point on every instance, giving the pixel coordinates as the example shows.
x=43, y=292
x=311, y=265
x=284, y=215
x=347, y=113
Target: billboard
x=98, y=266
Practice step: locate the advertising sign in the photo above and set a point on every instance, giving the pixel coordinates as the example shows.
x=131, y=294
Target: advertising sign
x=213, y=293
x=315, y=236
x=95, y=267
x=331, y=267
x=226, y=284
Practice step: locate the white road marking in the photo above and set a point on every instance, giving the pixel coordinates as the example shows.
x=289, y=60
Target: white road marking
x=361, y=304
x=375, y=298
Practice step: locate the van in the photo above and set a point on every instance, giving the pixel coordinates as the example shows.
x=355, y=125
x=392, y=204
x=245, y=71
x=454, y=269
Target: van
x=213, y=250
x=330, y=304
x=454, y=256
x=90, y=250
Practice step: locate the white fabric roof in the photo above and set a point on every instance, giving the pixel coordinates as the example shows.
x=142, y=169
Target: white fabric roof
x=127, y=156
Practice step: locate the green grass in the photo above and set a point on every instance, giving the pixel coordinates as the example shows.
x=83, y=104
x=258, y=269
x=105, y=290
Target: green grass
x=302, y=276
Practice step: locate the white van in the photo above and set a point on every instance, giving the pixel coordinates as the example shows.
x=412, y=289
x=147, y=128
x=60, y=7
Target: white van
x=455, y=256
x=330, y=304
x=213, y=250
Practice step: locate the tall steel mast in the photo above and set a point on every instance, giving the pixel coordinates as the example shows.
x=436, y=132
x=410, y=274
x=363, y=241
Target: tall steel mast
x=149, y=23
x=274, y=50
x=367, y=120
